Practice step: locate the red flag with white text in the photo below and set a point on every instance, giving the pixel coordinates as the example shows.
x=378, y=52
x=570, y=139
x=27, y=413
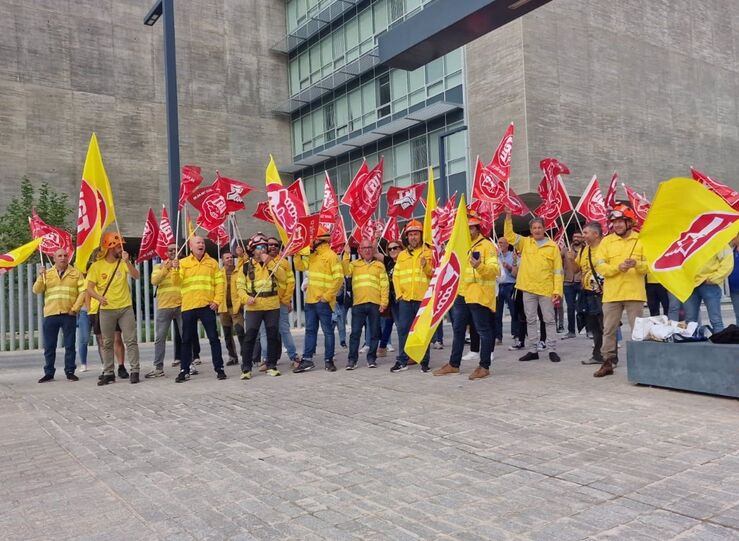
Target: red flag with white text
x=149, y=238
x=591, y=204
x=392, y=230
x=212, y=206
x=500, y=165
x=639, y=203
x=330, y=207
x=609, y=201
x=52, y=238
x=401, y=202
x=219, y=235
x=724, y=192
x=485, y=185
x=338, y=235
x=263, y=213
x=191, y=179
x=363, y=194
x=165, y=236
x=484, y=210
x=303, y=234
x=234, y=191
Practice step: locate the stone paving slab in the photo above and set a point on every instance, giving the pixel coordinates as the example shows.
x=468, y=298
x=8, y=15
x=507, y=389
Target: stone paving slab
x=539, y=451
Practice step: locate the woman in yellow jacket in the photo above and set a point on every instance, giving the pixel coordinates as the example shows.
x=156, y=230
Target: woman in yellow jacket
x=540, y=279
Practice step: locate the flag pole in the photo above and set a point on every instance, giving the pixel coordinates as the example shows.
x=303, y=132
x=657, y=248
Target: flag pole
x=239, y=239
x=177, y=228
x=187, y=240
x=40, y=253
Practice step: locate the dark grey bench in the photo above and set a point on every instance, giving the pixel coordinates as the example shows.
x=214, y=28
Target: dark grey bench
x=702, y=367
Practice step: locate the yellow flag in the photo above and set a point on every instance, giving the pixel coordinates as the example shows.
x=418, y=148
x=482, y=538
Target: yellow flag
x=15, y=257
x=190, y=228
x=443, y=288
x=430, y=206
x=686, y=226
x=95, y=172
x=272, y=175
x=274, y=184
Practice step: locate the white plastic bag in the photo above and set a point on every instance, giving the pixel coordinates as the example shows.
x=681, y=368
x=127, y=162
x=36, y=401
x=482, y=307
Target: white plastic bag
x=643, y=325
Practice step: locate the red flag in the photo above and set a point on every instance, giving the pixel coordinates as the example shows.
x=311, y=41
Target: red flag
x=364, y=192
x=515, y=204
x=485, y=185
x=52, y=238
x=191, y=179
x=263, y=213
x=559, y=239
x=338, y=235
x=330, y=207
x=552, y=190
x=286, y=206
x=165, y=236
x=303, y=234
x=610, y=199
x=591, y=204
x=212, y=206
x=500, y=165
x=368, y=231
x=297, y=192
x=233, y=190
x=548, y=212
x=392, y=230
x=219, y=235
x=723, y=191
x=484, y=210
x=639, y=203
x=402, y=201
x=149, y=238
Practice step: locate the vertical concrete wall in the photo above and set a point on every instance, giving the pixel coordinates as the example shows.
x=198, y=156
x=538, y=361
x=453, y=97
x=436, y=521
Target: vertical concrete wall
x=68, y=68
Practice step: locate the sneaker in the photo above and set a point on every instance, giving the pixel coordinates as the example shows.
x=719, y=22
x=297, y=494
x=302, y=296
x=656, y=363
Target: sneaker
x=479, y=373
x=176, y=363
x=194, y=371
x=589, y=335
x=364, y=349
x=232, y=361
x=440, y=345
x=515, y=347
x=46, y=378
x=182, y=377
x=304, y=366
x=446, y=370
x=295, y=362
x=83, y=368
x=568, y=336
x=371, y=364
x=530, y=356
x=102, y=376
x=156, y=373
x=592, y=360
x=72, y=377
x=560, y=330
x=330, y=366
x=554, y=357
x=471, y=356
x=351, y=365
x=424, y=368
x=197, y=361
x=343, y=345
x=106, y=379
x=382, y=352
x=541, y=346
x=397, y=367
x=273, y=372
x=134, y=377
x=390, y=347
x=122, y=372
x=246, y=374
x=220, y=374
x=433, y=345
x=263, y=366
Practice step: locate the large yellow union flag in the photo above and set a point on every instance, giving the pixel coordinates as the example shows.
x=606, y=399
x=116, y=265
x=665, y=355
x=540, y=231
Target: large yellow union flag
x=15, y=257
x=428, y=232
x=274, y=183
x=686, y=226
x=443, y=287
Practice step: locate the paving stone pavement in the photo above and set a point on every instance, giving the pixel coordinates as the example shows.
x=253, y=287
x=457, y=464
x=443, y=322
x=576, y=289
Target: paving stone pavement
x=538, y=451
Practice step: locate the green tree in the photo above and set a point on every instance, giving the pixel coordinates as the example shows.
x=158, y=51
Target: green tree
x=51, y=206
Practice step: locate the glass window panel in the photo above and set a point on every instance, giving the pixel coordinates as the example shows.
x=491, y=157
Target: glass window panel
x=416, y=79
x=297, y=137
x=453, y=61
x=396, y=9
x=355, y=108
x=318, y=133
x=410, y=5
x=419, y=155
x=366, y=26
x=342, y=111
x=304, y=62
x=339, y=46
x=435, y=70
x=399, y=83
x=456, y=144
x=379, y=10
x=453, y=80
x=351, y=30
x=417, y=97
x=433, y=147
x=327, y=55
x=294, y=76
x=369, y=100
x=402, y=159
x=292, y=15
x=315, y=63
x=435, y=88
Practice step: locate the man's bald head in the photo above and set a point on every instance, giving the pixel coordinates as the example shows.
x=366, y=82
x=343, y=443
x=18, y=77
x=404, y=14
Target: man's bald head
x=61, y=259
x=197, y=246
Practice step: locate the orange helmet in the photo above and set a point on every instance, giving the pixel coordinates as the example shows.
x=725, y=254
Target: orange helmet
x=621, y=211
x=323, y=233
x=473, y=218
x=111, y=240
x=413, y=225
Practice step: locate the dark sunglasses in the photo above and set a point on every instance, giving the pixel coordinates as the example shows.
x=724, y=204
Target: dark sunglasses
x=393, y=247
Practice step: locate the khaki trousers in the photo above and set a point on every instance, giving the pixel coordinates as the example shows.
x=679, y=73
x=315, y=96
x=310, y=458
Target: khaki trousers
x=126, y=320
x=612, y=312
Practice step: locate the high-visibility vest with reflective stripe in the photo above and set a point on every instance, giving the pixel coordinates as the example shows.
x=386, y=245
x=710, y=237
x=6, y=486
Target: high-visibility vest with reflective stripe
x=201, y=283
x=286, y=295
x=260, y=288
x=622, y=286
x=478, y=284
x=369, y=281
x=325, y=275
x=168, y=287
x=410, y=280
x=61, y=295
x=540, y=271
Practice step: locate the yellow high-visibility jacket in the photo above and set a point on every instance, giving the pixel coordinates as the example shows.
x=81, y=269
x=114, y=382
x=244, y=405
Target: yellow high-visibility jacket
x=255, y=281
x=62, y=295
x=584, y=263
x=369, y=281
x=478, y=285
x=286, y=297
x=540, y=271
x=236, y=302
x=201, y=283
x=168, y=286
x=622, y=286
x=718, y=268
x=324, y=274
x=410, y=280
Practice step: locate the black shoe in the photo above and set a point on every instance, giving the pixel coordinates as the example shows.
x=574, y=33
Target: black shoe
x=614, y=362
x=397, y=367
x=134, y=377
x=46, y=378
x=221, y=375
x=330, y=366
x=554, y=357
x=72, y=377
x=105, y=379
x=232, y=362
x=305, y=366
x=122, y=373
x=530, y=356
x=343, y=344
x=352, y=365
x=425, y=368
x=181, y=377
x=371, y=364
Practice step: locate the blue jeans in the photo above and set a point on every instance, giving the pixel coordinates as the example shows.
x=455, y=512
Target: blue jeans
x=339, y=317
x=439, y=334
x=406, y=313
x=481, y=317
x=315, y=314
x=190, y=333
x=387, y=325
x=51, y=327
x=735, y=302
x=572, y=292
x=710, y=294
x=505, y=297
x=286, y=336
x=674, y=303
x=83, y=335
x=364, y=315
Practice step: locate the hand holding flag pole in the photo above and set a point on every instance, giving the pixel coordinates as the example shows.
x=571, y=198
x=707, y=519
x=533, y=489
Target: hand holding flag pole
x=40, y=254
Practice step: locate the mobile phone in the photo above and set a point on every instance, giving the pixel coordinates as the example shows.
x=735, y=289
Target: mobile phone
x=476, y=255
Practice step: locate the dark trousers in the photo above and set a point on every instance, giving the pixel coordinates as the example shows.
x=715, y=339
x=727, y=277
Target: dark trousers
x=484, y=321
x=406, y=314
x=505, y=297
x=51, y=327
x=228, y=337
x=387, y=325
x=572, y=292
x=366, y=314
x=252, y=322
x=656, y=297
x=207, y=317
x=591, y=304
x=178, y=345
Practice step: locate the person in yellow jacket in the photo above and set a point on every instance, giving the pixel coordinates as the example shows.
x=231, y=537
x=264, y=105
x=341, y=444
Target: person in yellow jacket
x=591, y=293
x=475, y=303
x=64, y=293
x=708, y=289
x=370, y=291
x=286, y=304
x=232, y=319
x=169, y=301
x=411, y=277
x=540, y=279
x=621, y=263
x=202, y=288
x=259, y=288
x=324, y=280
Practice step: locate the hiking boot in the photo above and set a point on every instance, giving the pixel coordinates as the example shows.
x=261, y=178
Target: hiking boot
x=592, y=360
x=446, y=369
x=232, y=361
x=156, y=373
x=46, y=378
x=134, y=377
x=304, y=366
x=122, y=372
x=72, y=377
x=263, y=366
x=397, y=367
x=351, y=365
x=105, y=379
x=330, y=366
x=605, y=370
x=382, y=352
x=554, y=357
x=530, y=356
x=246, y=374
x=479, y=373
x=273, y=372
x=182, y=377
x=220, y=374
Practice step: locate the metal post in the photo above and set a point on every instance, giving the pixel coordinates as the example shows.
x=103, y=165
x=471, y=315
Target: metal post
x=3, y=336
x=21, y=311
x=11, y=307
x=147, y=300
x=29, y=287
x=138, y=305
x=442, y=160
x=40, y=320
